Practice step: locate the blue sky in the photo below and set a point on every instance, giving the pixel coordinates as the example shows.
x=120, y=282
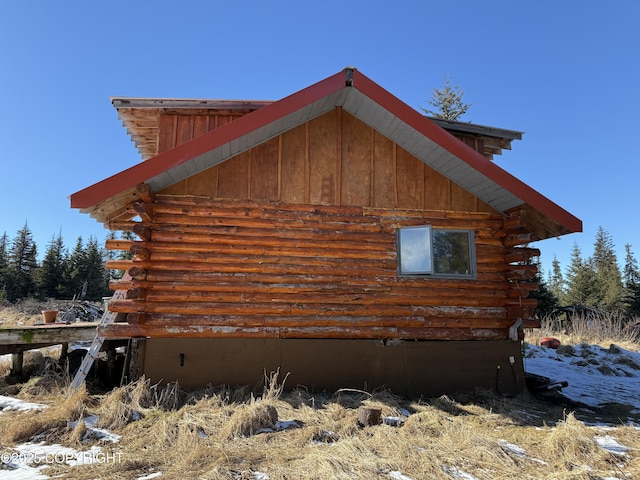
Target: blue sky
x=565, y=73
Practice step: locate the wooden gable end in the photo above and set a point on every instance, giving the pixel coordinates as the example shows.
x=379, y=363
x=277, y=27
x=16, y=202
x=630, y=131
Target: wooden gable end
x=334, y=159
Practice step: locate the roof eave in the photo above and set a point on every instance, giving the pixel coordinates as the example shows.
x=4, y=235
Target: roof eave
x=468, y=155
x=371, y=104
x=144, y=171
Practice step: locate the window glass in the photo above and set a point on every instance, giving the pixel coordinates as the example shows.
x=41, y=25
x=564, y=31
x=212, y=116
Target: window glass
x=441, y=252
x=451, y=251
x=415, y=250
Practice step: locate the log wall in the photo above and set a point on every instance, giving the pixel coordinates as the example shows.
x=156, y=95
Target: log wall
x=296, y=238
x=241, y=268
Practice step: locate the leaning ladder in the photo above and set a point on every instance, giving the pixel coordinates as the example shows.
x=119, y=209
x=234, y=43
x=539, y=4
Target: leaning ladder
x=96, y=345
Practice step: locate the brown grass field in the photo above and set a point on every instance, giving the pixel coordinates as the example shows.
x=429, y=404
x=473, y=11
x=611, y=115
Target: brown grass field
x=228, y=433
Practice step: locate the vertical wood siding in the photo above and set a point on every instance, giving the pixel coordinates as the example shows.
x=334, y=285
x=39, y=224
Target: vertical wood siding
x=334, y=159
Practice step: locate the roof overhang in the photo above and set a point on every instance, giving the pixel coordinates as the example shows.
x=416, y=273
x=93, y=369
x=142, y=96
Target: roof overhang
x=362, y=98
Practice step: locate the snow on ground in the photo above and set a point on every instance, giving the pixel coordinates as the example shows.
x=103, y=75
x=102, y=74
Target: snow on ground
x=10, y=403
x=97, y=433
x=597, y=376
x=29, y=459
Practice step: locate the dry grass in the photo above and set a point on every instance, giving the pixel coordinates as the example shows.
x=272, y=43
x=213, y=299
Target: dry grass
x=602, y=330
x=223, y=433
x=28, y=311
x=50, y=422
x=227, y=433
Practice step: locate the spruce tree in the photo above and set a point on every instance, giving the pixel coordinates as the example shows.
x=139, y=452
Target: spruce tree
x=547, y=300
x=448, y=102
x=609, y=279
x=4, y=264
x=631, y=279
x=556, y=282
x=581, y=280
x=53, y=269
x=22, y=266
x=631, y=272
x=73, y=271
x=94, y=272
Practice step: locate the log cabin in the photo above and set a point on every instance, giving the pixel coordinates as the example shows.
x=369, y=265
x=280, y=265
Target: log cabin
x=337, y=236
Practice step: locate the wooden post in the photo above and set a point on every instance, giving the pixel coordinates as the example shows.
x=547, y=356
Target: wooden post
x=16, y=364
x=368, y=416
x=64, y=352
x=136, y=347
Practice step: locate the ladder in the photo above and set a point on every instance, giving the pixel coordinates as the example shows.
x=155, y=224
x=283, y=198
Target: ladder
x=96, y=345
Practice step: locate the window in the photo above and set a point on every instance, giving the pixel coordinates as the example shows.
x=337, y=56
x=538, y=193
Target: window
x=425, y=250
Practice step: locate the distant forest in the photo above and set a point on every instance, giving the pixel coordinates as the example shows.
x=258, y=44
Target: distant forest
x=596, y=281
x=63, y=274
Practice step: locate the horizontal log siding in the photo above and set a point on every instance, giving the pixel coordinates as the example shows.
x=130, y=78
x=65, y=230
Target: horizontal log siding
x=242, y=268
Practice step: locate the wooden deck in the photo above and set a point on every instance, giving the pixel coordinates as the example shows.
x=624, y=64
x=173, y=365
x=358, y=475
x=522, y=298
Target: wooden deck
x=17, y=339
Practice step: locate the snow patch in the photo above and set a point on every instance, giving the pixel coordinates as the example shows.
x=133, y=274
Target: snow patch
x=597, y=376
x=455, y=472
x=95, y=432
x=9, y=403
x=150, y=476
x=610, y=444
x=398, y=476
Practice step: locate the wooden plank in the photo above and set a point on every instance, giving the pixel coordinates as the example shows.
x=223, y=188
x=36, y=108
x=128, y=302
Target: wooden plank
x=294, y=165
x=437, y=190
x=410, y=178
x=179, y=188
x=200, y=125
x=16, y=363
x=51, y=334
x=167, y=132
x=384, y=172
x=184, y=129
x=15, y=348
x=119, y=330
x=335, y=301
x=233, y=177
x=323, y=172
x=356, y=150
x=167, y=320
x=264, y=171
x=462, y=200
x=204, y=183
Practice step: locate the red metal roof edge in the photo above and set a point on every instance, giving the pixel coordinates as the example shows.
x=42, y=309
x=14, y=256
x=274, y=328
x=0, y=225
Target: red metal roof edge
x=143, y=171
x=465, y=153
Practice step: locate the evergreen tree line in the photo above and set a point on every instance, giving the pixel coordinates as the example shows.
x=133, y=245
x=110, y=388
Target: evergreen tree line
x=595, y=281
x=80, y=274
